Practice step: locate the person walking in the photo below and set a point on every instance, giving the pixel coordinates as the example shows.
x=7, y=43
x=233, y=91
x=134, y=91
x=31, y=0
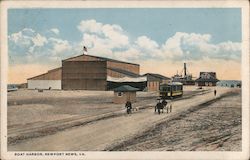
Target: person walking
x=128, y=105
x=215, y=92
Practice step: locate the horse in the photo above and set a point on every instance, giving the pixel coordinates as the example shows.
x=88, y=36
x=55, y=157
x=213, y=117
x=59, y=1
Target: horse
x=160, y=106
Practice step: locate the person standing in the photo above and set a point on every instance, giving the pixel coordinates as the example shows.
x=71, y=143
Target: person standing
x=215, y=92
x=170, y=105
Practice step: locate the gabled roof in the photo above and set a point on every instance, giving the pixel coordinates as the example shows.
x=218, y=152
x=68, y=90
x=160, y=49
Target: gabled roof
x=130, y=74
x=157, y=76
x=125, y=88
x=101, y=58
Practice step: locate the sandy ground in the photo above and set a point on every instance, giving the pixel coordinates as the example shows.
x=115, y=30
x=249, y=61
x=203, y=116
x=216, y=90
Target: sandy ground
x=33, y=114
x=106, y=132
x=206, y=128
x=54, y=105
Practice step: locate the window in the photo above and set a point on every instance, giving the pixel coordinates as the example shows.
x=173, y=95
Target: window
x=168, y=89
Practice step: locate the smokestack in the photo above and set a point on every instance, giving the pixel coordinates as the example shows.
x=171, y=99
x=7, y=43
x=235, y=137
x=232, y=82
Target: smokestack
x=185, y=69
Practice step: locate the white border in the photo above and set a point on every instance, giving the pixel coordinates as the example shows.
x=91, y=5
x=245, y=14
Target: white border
x=133, y=4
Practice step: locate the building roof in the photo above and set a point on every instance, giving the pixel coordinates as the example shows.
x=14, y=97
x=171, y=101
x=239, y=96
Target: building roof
x=130, y=74
x=126, y=79
x=206, y=80
x=49, y=71
x=126, y=88
x=55, y=69
x=101, y=58
x=157, y=76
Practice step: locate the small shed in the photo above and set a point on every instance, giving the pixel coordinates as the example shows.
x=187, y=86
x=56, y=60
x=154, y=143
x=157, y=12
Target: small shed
x=125, y=93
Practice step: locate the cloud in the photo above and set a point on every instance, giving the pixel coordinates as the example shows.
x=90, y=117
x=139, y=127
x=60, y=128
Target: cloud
x=112, y=41
x=195, y=46
x=59, y=46
x=29, y=46
x=90, y=26
x=146, y=43
x=96, y=34
x=39, y=40
x=55, y=31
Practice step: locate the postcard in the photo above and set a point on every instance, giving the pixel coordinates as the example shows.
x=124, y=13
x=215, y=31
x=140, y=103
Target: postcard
x=124, y=80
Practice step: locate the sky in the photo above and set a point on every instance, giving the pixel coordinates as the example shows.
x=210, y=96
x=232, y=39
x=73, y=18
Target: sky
x=160, y=40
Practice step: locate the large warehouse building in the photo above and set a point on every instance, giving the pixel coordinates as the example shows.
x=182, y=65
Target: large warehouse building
x=91, y=72
x=88, y=72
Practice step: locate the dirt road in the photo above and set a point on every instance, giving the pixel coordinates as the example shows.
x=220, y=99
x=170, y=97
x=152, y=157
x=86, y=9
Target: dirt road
x=214, y=127
x=103, y=134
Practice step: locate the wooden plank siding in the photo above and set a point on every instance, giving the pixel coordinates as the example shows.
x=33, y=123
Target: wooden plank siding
x=86, y=75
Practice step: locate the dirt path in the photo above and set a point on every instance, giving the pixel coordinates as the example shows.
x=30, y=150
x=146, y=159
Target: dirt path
x=101, y=134
x=213, y=127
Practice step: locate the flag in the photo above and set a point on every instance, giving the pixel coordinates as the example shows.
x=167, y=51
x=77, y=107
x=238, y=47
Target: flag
x=84, y=48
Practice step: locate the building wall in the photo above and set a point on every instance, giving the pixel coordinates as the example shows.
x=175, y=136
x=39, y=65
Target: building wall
x=44, y=84
x=125, y=96
x=124, y=66
x=86, y=75
x=205, y=83
x=153, y=85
